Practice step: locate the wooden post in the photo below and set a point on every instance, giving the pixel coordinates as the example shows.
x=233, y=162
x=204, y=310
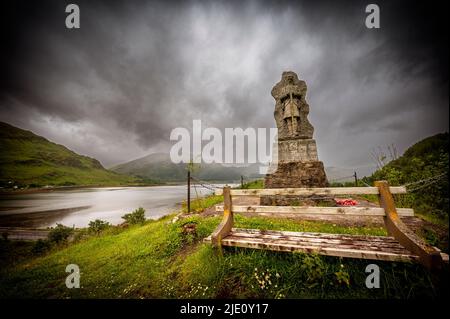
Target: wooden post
x=188, y=191
x=225, y=226
x=356, y=179
x=428, y=255
x=242, y=181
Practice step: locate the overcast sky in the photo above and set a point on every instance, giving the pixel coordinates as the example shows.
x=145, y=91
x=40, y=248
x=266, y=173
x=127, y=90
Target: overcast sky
x=115, y=88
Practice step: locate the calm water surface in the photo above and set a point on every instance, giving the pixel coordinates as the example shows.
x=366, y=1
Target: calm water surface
x=79, y=207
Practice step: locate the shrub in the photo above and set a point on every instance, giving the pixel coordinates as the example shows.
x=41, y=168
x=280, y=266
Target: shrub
x=424, y=167
x=59, y=234
x=342, y=276
x=136, y=217
x=81, y=234
x=98, y=225
x=40, y=246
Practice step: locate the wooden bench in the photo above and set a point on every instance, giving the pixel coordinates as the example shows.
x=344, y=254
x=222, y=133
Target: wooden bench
x=401, y=245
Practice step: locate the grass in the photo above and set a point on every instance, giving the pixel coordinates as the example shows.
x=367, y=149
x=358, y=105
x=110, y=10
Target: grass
x=160, y=260
x=253, y=184
x=284, y=224
x=55, y=175
x=198, y=205
x=432, y=218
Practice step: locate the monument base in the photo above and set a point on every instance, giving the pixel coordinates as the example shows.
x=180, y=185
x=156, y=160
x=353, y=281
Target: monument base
x=294, y=175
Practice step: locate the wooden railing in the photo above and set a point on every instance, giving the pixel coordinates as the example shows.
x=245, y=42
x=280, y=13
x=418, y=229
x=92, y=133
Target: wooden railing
x=313, y=191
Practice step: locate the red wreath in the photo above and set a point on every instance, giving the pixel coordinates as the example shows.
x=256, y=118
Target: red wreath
x=346, y=202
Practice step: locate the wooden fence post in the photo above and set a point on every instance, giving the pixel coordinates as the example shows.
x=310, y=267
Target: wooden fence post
x=188, y=191
x=428, y=255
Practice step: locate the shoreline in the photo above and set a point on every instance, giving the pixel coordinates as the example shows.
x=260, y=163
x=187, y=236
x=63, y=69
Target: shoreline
x=31, y=219
x=75, y=187
x=64, y=188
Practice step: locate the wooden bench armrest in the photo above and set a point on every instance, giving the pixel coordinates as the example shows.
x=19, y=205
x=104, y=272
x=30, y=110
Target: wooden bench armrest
x=224, y=228
x=429, y=256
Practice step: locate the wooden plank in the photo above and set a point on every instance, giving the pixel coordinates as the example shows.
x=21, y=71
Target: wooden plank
x=311, y=234
x=293, y=211
x=327, y=191
x=224, y=228
x=428, y=255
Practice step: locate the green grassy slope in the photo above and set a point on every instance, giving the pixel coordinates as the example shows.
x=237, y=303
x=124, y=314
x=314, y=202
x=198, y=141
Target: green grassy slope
x=161, y=260
x=423, y=161
x=27, y=159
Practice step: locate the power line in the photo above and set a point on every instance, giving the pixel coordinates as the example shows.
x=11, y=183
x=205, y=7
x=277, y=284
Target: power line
x=340, y=178
x=206, y=184
x=365, y=183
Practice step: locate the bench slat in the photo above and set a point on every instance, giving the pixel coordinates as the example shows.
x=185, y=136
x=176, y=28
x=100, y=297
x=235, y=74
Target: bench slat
x=314, y=234
x=312, y=191
x=293, y=211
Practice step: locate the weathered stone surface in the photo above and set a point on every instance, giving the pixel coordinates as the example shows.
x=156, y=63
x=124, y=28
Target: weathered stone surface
x=296, y=161
x=297, y=150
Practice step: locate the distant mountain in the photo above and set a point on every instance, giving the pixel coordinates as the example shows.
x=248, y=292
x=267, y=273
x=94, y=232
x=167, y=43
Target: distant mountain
x=158, y=166
x=27, y=159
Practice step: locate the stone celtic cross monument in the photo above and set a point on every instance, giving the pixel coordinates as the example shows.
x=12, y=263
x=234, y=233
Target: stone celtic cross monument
x=298, y=164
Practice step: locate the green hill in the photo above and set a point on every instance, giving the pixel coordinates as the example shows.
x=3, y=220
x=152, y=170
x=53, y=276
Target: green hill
x=29, y=160
x=424, y=168
x=158, y=166
x=155, y=166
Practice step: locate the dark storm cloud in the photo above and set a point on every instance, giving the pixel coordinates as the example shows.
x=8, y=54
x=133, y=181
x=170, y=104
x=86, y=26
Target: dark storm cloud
x=115, y=88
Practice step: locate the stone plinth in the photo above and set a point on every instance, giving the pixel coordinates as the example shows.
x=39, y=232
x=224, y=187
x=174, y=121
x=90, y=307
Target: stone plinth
x=294, y=175
x=297, y=175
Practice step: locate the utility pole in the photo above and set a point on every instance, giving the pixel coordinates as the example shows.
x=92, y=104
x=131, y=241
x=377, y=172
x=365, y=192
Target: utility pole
x=356, y=179
x=188, y=190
